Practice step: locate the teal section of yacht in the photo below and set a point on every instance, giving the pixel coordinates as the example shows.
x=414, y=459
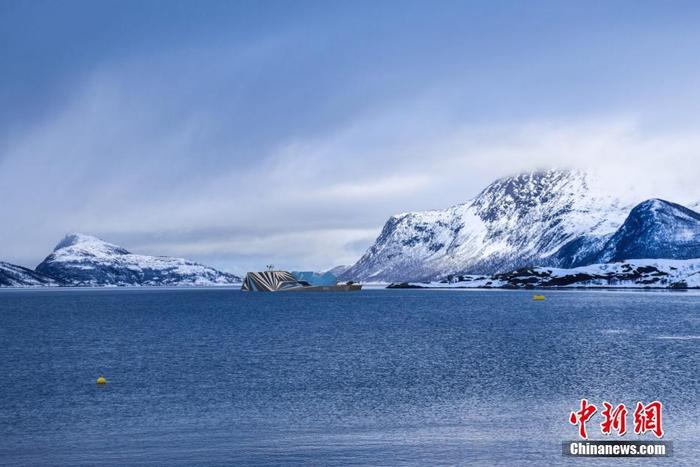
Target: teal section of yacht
x=315, y=278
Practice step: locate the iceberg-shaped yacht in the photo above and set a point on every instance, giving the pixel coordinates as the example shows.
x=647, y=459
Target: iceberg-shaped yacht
x=306, y=281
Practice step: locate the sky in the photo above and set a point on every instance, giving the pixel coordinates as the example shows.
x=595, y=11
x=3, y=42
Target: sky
x=241, y=134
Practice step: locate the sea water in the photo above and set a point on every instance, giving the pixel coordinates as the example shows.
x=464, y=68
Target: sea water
x=378, y=377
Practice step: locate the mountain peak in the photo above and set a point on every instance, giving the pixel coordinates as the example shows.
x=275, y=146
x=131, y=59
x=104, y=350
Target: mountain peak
x=521, y=193
x=88, y=244
x=544, y=174
x=656, y=228
x=85, y=260
x=537, y=178
x=546, y=217
x=654, y=205
x=660, y=206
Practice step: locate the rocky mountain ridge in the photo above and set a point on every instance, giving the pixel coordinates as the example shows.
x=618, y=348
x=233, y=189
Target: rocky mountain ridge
x=637, y=273
x=87, y=261
x=553, y=218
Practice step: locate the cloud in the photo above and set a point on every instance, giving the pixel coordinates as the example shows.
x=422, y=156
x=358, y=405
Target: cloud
x=167, y=160
x=625, y=158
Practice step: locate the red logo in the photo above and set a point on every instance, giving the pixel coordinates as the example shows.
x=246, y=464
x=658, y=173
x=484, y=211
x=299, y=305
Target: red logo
x=646, y=418
x=582, y=416
x=615, y=419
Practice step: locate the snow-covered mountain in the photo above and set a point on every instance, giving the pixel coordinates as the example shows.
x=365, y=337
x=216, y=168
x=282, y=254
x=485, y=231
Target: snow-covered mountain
x=655, y=229
x=12, y=275
x=547, y=218
x=83, y=260
x=338, y=270
x=636, y=273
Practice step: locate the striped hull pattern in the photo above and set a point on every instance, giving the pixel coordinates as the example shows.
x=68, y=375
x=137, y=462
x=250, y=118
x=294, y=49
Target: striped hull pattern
x=279, y=281
x=269, y=281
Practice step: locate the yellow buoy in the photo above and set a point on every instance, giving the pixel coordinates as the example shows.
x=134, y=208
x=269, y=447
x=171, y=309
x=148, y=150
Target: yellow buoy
x=538, y=297
x=101, y=380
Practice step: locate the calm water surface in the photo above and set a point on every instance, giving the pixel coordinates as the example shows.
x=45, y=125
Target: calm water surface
x=221, y=377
